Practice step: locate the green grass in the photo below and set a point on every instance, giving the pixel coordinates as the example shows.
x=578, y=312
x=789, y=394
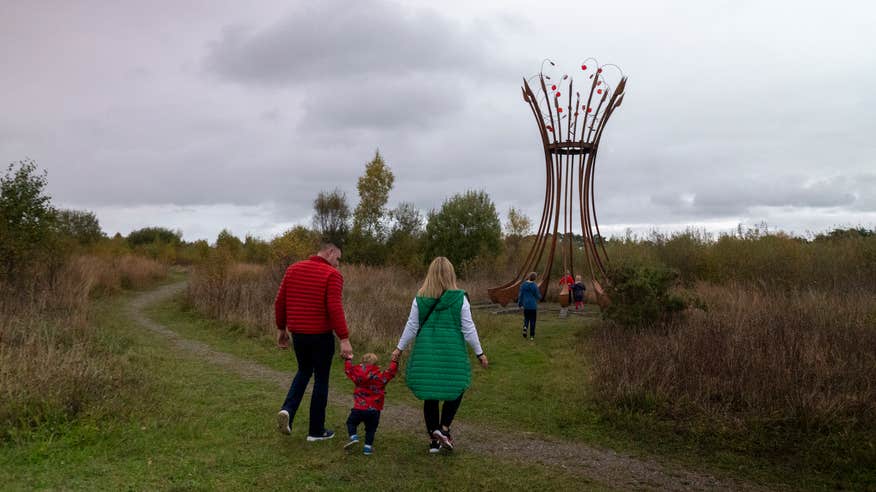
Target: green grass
x=195, y=426
x=541, y=387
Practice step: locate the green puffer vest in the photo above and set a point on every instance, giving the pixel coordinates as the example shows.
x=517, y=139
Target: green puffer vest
x=439, y=368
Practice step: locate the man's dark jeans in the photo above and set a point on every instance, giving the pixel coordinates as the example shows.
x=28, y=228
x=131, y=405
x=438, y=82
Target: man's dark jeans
x=371, y=418
x=314, y=354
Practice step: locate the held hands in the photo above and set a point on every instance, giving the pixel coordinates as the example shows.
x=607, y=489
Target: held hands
x=396, y=354
x=346, y=349
x=484, y=361
x=283, y=339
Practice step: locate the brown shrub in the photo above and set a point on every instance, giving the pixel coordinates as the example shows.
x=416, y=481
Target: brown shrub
x=804, y=357
x=107, y=274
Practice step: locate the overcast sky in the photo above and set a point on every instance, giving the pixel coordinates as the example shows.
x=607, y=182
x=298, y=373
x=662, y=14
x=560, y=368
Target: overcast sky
x=210, y=114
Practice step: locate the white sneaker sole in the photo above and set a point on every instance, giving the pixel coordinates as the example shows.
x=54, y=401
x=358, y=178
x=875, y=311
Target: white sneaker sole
x=283, y=422
x=314, y=439
x=350, y=444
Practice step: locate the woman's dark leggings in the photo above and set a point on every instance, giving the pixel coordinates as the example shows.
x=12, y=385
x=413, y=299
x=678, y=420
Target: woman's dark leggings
x=529, y=321
x=433, y=420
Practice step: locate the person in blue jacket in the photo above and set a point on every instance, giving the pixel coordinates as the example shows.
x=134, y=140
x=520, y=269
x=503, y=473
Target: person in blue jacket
x=528, y=298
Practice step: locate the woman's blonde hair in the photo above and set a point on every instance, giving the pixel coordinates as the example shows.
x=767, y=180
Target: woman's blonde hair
x=439, y=278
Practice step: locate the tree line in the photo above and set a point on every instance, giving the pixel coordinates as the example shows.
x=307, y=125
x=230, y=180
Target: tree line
x=465, y=228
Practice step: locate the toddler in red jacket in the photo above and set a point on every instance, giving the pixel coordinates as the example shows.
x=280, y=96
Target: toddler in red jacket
x=368, y=397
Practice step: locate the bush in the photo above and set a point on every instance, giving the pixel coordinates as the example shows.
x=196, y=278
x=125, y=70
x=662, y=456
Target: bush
x=642, y=296
x=466, y=227
x=27, y=220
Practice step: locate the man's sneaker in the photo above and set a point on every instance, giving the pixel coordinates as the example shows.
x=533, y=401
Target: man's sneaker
x=283, y=422
x=434, y=446
x=531, y=339
x=354, y=439
x=444, y=440
x=326, y=434
x=367, y=450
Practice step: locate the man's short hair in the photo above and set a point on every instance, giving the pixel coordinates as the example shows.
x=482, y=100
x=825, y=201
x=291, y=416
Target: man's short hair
x=327, y=246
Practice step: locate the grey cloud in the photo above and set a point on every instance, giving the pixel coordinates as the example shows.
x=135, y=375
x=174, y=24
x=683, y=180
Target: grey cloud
x=736, y=198
x=413, y=100
x=330, y=39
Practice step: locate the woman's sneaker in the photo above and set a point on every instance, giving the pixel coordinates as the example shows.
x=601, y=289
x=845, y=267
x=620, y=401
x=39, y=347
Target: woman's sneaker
x=449, y=437
x=444, y=440
x=368, y=450
x=434, y=446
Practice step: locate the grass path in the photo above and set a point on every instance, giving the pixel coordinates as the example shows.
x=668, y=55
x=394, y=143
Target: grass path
x=609, y=468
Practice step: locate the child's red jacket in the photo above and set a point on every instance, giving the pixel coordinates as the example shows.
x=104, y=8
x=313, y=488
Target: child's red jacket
x=370, y=383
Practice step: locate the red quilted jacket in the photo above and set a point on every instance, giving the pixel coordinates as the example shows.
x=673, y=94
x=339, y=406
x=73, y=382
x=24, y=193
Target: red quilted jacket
x=309, y=299
x=370, y=383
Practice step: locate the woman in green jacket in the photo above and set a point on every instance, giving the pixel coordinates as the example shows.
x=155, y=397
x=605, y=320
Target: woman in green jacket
x=439, y=368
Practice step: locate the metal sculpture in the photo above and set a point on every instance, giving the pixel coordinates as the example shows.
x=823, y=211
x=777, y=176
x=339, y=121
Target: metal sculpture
x=571, y=129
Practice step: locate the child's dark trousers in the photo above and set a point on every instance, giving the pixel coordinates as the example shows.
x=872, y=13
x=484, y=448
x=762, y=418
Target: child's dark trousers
x=371, y=418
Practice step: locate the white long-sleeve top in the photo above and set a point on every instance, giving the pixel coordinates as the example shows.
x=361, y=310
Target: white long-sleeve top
x=469, y=331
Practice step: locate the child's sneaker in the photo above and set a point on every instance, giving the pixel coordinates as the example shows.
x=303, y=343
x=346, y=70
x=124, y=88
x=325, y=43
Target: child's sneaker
x=326, y=434
x=283, y=422
x=434, y=446
x=354, y=439
x=444, y=440
x=368, y=450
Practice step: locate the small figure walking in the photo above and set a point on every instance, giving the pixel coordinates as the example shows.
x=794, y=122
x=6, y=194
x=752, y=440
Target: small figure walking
x=368, y=397
x=528, y=298
x=578, y=292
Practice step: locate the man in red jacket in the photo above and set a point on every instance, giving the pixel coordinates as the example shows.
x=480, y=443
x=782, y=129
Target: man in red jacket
x=308, y=305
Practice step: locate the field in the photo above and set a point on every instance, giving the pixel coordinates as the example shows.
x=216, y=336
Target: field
x=759, y=384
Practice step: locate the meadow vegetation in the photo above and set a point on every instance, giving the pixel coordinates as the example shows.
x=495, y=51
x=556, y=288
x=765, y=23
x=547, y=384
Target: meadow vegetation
x=753, y=342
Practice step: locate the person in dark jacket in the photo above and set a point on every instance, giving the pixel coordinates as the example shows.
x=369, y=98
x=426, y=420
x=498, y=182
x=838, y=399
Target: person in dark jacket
x=308, y=305
x=528, y=298
x=440, y=324
x=578, y=292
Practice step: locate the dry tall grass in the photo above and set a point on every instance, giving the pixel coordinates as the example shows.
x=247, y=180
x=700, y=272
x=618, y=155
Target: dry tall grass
x=377, y=300
x=53, y=365
x=805, y=358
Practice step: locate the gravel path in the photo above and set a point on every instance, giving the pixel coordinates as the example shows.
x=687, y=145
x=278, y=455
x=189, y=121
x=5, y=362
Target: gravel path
x=615, y=470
